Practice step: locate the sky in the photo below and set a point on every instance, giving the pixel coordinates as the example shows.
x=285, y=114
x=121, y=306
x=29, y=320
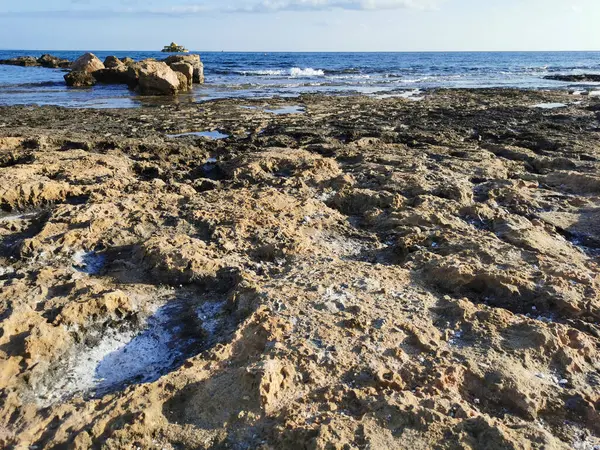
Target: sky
x=301, y=25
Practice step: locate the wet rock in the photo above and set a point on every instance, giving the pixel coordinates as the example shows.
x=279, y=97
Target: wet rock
x=23, y=61
x=53, y=62
x=579, y=78
x=80, y=79
x=116, y=75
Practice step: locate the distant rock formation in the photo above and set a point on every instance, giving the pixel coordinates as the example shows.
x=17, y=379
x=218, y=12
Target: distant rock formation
x=148, y=77
x=177, y=73
x=582, y=78
x=49, y=61
x=174, y=48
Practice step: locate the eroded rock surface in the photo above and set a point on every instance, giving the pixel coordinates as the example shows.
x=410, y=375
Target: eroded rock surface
x=367, y=274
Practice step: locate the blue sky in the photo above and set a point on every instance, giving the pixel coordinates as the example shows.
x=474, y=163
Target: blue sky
x=301, y=25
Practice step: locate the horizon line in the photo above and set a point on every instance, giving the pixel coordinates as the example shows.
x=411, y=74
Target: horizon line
x=301, y=51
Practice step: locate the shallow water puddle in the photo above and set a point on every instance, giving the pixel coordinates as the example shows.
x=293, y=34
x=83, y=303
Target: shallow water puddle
x=215, y=135
x=20, y=216
x=414, y=95
x=287, y=110
x=91, y=263
x=550, y=105
x=123, y=356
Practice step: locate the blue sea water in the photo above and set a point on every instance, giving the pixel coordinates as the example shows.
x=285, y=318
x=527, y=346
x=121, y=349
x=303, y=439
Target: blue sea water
x=290, y=74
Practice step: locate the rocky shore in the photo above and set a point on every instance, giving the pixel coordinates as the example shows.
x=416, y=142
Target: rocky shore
x=349, y=273
x=175, y=74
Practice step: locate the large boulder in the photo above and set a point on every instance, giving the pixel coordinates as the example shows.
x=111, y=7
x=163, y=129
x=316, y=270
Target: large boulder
x=53, y=62
x=193, y=60
x=80, y=79
x=116, y=75
x=112, y=62
x=156, y=78
x=87, y=63
x=186, y=70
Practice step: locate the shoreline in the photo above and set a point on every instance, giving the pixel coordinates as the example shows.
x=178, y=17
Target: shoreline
x=351, y=271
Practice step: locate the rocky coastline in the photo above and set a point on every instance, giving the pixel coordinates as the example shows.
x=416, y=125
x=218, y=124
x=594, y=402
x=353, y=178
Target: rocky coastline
x=351, y=273
x=175, y=74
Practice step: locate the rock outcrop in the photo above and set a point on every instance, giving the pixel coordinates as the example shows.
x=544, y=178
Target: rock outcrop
x=87, y=63
x=53, y=62
x=112, y=62
x=193, y=60
x=116, y=75
x=371, y=273
x=581, y=78
x=23, y=61
x=187, y=70
x=156, y=78
x=46, y=60
x=80, y=79
x=176, y=74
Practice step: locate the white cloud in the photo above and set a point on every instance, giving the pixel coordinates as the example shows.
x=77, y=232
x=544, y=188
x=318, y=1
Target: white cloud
x=86, y=9
x=320, y=5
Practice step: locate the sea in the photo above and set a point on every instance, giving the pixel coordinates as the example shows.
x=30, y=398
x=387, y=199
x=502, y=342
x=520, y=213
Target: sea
x=266, y=75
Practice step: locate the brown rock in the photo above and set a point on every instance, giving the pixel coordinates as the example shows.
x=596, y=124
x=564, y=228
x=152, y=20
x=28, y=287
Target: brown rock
x=195, y=62
x=53, y=62
x=156, y=78
x=187, y=70
x=112, y=62
x=87, y=63
x=23, y=61
x=80, y=79
x=116, y=75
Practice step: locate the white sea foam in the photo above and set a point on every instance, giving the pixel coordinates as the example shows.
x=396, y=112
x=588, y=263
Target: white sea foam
x=550, y=105
x=293, y=72
x=264, y=72
x=308, y=72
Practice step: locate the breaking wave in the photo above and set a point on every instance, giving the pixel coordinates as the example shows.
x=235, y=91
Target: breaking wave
x=294, y=72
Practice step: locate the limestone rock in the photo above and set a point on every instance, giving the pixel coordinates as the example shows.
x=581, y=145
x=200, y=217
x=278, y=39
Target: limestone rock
x=112, y=62
x=128, y=61
x=116, y=75
x=194, y=60
x=53, y=62
x=80, y=79
x=87, y=63
x=156, y=78
x=187, y=70
x=23, y=61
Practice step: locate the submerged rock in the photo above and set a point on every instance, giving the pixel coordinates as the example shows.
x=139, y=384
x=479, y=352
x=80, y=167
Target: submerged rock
x=582, y=78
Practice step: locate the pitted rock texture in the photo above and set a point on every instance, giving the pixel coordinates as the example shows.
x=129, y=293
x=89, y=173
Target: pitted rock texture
x=371, y=273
